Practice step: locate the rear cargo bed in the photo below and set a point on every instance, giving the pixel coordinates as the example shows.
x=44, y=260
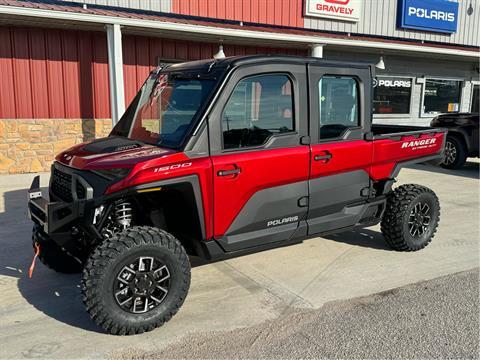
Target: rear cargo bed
x=394, y=145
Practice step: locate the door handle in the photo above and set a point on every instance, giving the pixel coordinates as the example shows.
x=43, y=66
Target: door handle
x=324, y=158
x=228, y=172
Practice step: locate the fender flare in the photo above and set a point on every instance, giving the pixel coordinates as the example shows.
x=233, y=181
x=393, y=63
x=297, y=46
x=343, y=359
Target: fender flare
x=462, y=133
x=194, y=182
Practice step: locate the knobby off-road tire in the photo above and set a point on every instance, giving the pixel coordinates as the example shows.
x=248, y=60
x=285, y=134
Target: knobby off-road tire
x=411, y=217
x=145, y=263
x=455, y=153
x=52, y=255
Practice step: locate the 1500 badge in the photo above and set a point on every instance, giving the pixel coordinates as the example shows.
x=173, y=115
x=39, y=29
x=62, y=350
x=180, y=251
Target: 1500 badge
x=172, y=167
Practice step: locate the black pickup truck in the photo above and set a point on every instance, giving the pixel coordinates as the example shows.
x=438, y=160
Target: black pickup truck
x=462, y=137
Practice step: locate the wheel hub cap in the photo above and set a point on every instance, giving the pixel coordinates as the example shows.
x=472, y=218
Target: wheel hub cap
x=419, y=219
x=142, y=285
x=450, y=153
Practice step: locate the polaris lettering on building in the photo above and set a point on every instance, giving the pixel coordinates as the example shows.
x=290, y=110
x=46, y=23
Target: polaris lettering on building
x=282, y=221
x=336, y=9
x=394, y=83
x=419, y=144
x=428, y=15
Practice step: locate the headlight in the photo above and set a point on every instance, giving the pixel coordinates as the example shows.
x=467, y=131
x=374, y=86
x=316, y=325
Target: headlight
x=113, y=174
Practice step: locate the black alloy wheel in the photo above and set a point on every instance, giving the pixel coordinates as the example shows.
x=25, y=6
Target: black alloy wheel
x=142, y=285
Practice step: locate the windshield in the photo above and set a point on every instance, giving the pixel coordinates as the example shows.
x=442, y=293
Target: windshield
x=164, y=109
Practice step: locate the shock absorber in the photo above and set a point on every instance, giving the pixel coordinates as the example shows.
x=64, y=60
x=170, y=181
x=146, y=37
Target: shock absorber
x=123, y=213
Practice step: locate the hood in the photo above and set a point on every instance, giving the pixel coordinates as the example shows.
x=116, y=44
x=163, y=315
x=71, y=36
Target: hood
x=110, y=152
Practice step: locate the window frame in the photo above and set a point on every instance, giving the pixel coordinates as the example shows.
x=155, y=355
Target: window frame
x=269, y=139
x=410, y=108
x=472, y=93
x=359, y=109
x=424, y=80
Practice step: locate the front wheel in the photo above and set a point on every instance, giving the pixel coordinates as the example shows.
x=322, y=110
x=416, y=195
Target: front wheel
x=411, y=217
x=136, y=280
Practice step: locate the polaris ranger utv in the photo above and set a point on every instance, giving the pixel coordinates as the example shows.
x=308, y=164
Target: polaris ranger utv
x=219, y=158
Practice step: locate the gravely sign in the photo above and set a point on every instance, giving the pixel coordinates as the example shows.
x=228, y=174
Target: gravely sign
x=349, y=10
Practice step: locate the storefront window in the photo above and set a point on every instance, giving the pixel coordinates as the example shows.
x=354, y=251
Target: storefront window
x=441, y=96
x=392, y=95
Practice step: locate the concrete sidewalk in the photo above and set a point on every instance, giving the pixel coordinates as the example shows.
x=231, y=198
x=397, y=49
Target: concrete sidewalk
x=44, y=316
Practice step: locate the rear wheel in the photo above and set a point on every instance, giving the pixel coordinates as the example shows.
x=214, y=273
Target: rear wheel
x=136, y=280
x=52, y=255
x=455, y=153
x=411, y=217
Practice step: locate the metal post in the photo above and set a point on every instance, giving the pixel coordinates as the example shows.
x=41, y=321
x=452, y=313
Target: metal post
x=316, y=50
x=115, y=71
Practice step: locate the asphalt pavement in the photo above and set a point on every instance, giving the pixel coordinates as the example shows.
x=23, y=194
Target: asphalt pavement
x=303, y=292
x=436, y=319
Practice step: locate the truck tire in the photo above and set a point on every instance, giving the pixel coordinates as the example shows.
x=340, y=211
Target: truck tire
x=136, y=280
x=455, y=153
x=411, y=217
x=52, y=255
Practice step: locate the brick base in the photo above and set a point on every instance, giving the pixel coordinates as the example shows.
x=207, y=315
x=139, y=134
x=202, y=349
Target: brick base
x=31, y=145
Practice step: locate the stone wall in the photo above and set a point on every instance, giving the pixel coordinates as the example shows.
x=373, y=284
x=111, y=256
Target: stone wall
x=30, y=145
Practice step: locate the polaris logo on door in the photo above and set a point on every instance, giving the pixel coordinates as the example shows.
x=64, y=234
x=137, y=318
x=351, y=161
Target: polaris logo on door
x=335, y=9
x=419, y=144
x=428, y=15
x=283, y=221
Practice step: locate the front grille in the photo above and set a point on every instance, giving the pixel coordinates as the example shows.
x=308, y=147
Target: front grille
x=81, y=192
x=61, y=185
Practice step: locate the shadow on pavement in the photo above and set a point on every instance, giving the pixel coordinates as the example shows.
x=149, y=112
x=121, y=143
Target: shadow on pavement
x=470, y=169
x=58, y=295
x=361, y=237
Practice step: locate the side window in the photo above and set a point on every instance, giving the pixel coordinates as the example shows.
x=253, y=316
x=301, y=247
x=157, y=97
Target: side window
x=259, y=107
x=339, y=110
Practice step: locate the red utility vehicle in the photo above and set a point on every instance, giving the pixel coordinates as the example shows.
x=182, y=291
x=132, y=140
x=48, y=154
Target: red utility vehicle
x=218, y=158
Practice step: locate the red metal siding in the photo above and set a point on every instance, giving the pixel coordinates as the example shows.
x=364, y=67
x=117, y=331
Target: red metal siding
x=101, y=88
x=52, y=73
x=38, y=67
x=141, y=54
x=275, y=12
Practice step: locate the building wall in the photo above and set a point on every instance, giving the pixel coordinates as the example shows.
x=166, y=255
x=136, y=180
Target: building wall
x=273, y=12
x=378, y=16
x=54, y=91
x=53, y=74
x=152, y=5
x=418, y=68
x=30, y=145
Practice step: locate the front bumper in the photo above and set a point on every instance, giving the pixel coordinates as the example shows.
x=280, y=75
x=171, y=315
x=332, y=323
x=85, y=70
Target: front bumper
x=52, y=216
x=59, y=220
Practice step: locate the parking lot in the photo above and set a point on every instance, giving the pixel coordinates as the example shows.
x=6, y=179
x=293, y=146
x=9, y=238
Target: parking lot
x=44, y=317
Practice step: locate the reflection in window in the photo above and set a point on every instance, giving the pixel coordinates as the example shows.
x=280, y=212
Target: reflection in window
x=259, y=107
x=392, y=95
x=338, y=99
x=441, y=96
x=475, y=98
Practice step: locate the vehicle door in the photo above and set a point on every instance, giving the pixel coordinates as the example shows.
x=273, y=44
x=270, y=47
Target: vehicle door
x=260, y=168
x=340, y=108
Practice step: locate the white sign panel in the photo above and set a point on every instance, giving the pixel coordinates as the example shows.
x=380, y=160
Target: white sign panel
x=349, y=10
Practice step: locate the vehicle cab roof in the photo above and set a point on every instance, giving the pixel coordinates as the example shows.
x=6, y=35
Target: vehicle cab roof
x=234, y=61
